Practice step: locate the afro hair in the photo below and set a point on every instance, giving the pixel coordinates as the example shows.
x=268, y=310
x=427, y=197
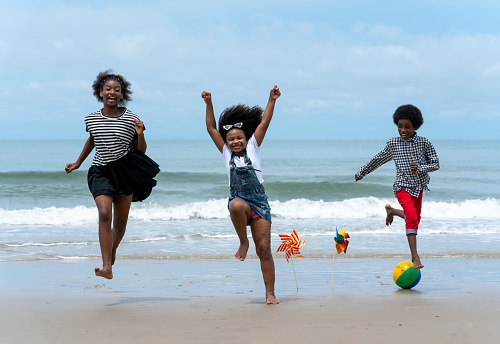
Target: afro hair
x=249, y=116
x=409, y=112
x=101, y=79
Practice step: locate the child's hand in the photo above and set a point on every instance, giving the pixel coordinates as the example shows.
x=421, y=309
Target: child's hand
x=275, y=93
x=207, y=97
x=413, y=167
x=356, y=178
x=71, y=167
x=139, y=126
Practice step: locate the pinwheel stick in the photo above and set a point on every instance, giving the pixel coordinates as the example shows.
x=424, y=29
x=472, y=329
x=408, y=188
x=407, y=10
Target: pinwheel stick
x=294, y=274
x=333, y=268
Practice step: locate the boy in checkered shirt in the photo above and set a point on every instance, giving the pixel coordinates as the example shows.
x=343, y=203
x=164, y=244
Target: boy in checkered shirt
x=414, y=157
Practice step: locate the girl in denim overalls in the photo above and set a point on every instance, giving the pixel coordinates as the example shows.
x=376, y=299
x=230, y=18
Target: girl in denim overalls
x=241, y=132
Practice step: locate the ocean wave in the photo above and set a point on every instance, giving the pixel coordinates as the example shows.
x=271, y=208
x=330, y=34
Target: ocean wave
x=49, y=244
x=355, y=208
x=56, y=187
x=367, y=207
x=50, y=216
x=44, y=177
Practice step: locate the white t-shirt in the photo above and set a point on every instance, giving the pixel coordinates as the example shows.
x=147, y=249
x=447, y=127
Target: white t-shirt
x=252, y=153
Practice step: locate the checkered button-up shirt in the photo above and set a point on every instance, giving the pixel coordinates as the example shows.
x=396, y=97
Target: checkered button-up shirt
x=417, y=150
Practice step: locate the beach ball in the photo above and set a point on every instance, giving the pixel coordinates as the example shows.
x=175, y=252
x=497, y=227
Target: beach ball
x=405, y=275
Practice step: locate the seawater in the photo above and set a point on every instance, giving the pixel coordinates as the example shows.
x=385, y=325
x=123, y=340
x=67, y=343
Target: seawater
x=46, y=214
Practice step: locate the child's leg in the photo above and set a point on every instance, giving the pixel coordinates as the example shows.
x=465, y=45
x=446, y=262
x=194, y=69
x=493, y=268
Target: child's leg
x=240, y=213
x=261, y=233
x=104, y=206
x=390, y=214
x=411, y=215
x=120, y=218
x=417, y=202
x=412, y=238
x=415, y=258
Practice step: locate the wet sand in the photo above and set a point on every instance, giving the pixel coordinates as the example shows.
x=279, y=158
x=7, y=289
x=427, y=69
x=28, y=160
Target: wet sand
x=222, y=301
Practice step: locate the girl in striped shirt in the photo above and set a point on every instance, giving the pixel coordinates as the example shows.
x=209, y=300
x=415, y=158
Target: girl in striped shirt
x=120, y=173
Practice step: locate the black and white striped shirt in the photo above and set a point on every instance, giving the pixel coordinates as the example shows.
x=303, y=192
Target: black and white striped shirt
x=417, y=150
x=113, y=136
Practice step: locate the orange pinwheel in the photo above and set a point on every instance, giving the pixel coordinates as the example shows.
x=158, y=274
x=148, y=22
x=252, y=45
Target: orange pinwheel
x=290, y=244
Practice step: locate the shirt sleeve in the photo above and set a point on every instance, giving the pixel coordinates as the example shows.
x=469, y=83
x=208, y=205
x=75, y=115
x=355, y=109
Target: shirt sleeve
x=378, y=160
x=431, y=159
x=253, y=144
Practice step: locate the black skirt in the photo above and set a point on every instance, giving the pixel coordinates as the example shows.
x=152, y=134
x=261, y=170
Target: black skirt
x=131, y=174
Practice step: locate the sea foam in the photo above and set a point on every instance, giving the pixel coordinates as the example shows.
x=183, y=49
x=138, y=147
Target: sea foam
x=355, y=208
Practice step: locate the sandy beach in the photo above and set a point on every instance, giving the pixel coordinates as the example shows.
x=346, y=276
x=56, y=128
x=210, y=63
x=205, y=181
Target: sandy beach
x=221, y=301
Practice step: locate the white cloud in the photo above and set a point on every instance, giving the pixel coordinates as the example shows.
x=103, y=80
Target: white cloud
x=316, y=103
x=35, y=87
x=135, y=46
x=387, y=32
x=62, y=43
x=239, y=52
x=492, y=71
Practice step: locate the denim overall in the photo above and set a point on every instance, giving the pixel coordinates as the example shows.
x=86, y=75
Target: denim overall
x=244, y=184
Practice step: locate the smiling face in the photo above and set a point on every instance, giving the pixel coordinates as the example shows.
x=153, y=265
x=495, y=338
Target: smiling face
x=236, y=141
x=111, y=93
x=405, y=129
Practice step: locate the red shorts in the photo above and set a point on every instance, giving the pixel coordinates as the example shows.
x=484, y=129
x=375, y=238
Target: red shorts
x=411, y=207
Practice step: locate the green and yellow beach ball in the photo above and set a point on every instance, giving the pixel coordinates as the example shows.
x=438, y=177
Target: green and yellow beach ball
x=405, y=275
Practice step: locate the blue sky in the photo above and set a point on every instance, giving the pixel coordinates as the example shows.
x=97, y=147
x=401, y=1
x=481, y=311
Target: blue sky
x=343, y=66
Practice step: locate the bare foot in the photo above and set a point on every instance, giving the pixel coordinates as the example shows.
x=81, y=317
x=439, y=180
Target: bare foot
x=390, y=215
x=417, y=264
x=241, y=254
x=104, y=273
x=271, y=299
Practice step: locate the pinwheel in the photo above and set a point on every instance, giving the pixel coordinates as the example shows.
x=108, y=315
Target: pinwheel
x=341, y=241
x=290, y=244
x=341, y=244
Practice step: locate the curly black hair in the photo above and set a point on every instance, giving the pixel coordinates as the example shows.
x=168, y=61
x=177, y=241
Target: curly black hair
x=409, y=112
x=101, y=79
x=249, y=116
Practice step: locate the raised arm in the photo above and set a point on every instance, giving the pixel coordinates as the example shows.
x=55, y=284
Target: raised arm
x=210, y=120
x=87, y=149
x=261, y=130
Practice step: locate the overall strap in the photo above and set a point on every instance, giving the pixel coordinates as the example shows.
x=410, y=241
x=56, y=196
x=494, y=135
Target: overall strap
x=248, y=162
x=231, y=161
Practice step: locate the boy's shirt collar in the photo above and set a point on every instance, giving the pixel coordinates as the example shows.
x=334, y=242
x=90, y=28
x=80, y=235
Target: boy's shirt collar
x=410, y=139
